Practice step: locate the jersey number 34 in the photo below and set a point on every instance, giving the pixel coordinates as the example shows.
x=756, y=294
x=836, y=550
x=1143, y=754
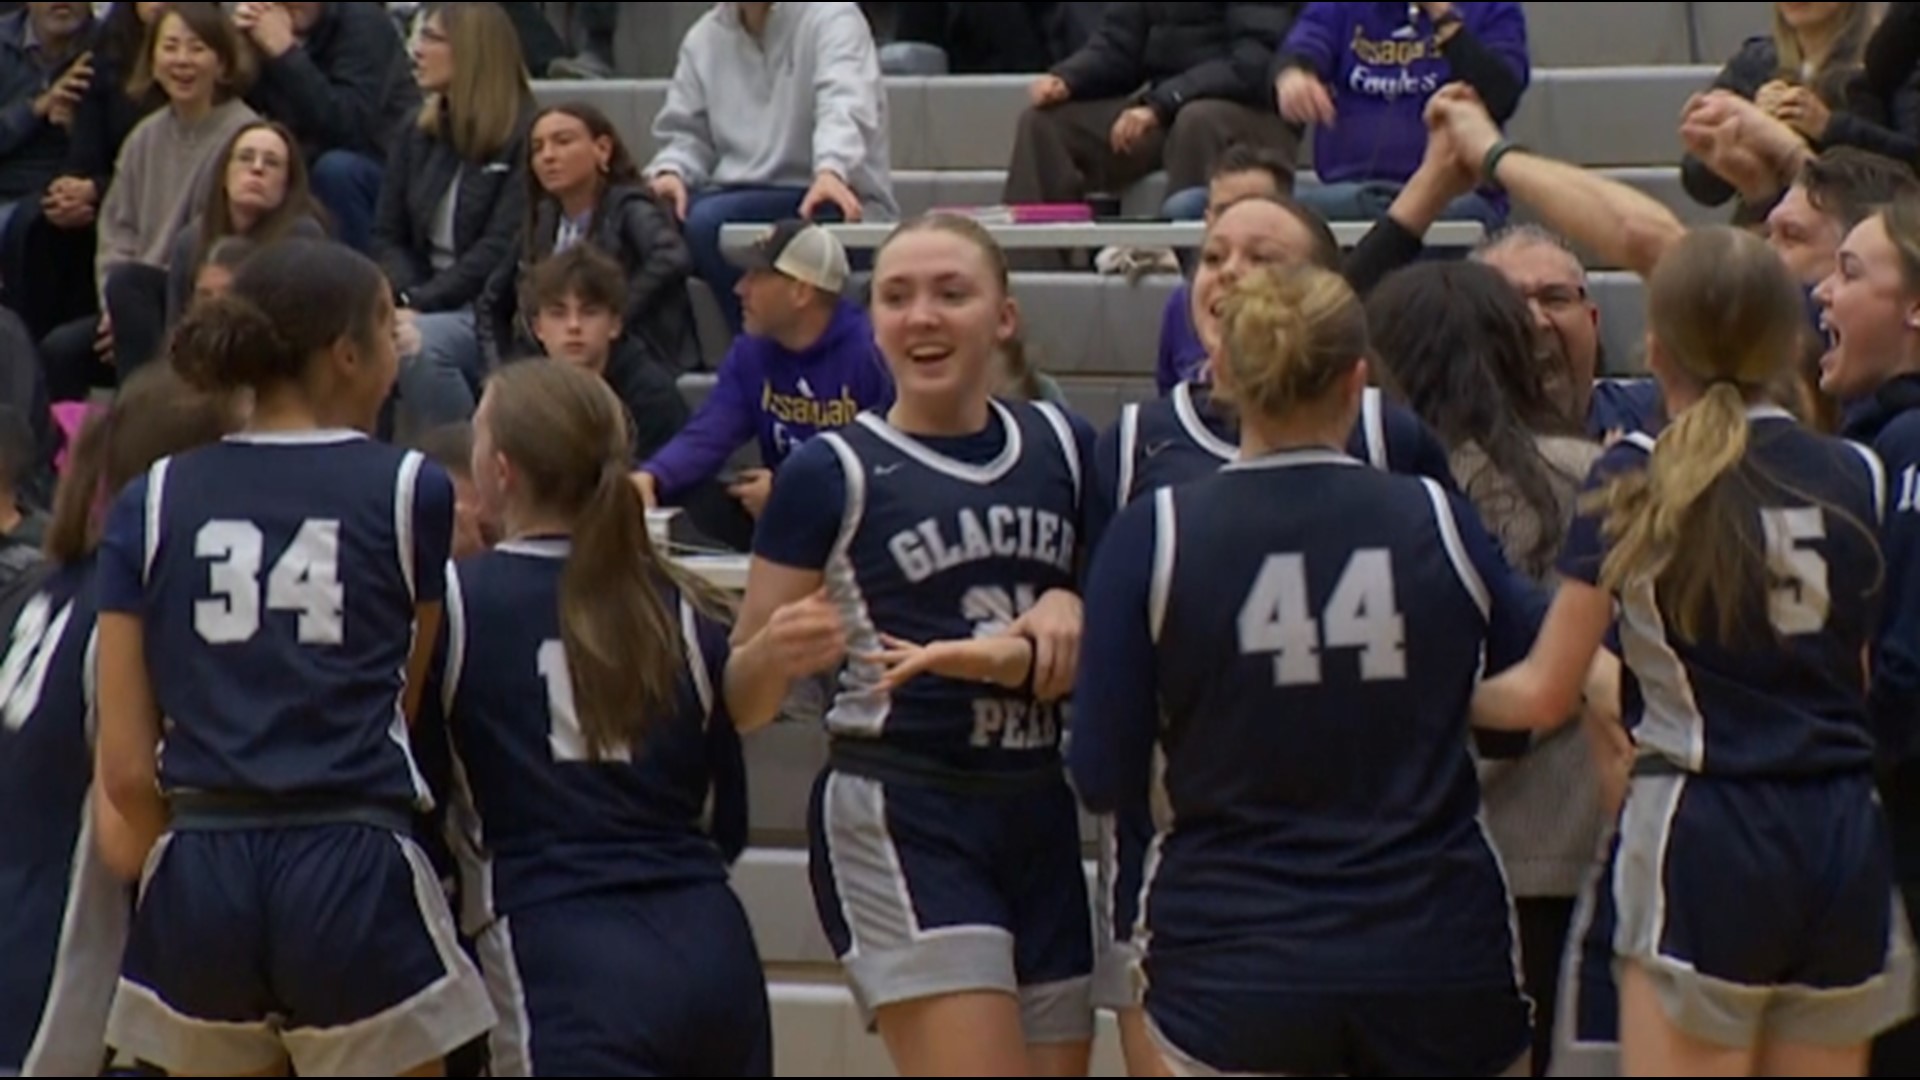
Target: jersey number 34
x=1361, y=613
x=305, y=580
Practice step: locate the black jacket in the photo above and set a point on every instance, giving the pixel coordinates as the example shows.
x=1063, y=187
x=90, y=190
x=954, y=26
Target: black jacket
x=997, y=39
x=1181, y=53
x=349, y=86
x=643, y=238
x=490, y=208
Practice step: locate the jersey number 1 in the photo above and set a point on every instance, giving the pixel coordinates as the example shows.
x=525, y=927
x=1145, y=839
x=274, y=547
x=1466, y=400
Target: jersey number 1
x=1361, y=614
x=565, y=740
x=305, y=580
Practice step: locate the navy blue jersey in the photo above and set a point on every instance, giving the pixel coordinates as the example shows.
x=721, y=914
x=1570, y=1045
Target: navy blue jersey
x=930, y=542
x=277, y=579
x=1623, y=406
x=1791, y=701
x=1308, y=678
x=66, y=916
x=1185, y=436
x=540, y=818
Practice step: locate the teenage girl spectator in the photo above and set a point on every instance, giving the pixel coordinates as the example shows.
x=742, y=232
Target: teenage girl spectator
x=1458, y=341
x=586, y=188
x=60, y=241
x=454, y=200
x=1801, y=69
x=1362, y=73
x=775, y=111
x=337, y=75
x=168, y=165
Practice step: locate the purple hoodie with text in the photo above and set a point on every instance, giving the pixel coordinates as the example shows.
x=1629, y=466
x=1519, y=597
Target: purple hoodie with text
x=781, y=398
x=1381, y=67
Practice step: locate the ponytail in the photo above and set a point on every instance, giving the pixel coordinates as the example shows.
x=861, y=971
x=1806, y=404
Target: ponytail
x=81, y=496
x=1683, y=523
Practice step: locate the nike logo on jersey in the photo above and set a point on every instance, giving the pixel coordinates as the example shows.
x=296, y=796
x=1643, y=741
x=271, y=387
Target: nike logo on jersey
x=886, y=470
x=1156, y=449
x=1005, y=533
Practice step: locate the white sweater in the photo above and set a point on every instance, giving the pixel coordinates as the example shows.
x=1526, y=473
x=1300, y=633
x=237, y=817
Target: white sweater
x=810, y=98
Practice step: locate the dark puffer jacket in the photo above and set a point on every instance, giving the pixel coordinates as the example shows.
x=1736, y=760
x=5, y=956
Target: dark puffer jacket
x=1181, y=53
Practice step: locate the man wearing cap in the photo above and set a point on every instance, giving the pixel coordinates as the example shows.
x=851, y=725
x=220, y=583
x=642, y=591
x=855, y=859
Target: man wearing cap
x=806, y=363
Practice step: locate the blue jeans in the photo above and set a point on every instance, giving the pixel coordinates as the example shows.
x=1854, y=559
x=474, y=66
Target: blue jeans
x=1369, y=200
x=1188, y=205
x=438, y=385
x=708, y=210
x=348, y=185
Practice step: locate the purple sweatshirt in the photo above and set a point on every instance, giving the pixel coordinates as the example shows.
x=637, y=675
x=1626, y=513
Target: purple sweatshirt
x=1182, y=356
x=1381, y=69
x=782, y=398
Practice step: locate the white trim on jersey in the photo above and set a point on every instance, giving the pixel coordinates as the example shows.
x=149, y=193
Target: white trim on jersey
x=324, y=437
x=465, y=832
x=1128, y=430
x=1641, y=440
x=406, y=488
x=1069, y=444
x=989, y=473
x=551, y=548
x=454, y=616
x=1188, y=414
x=1671, y=724
x=861, y=705
x=156, y=508
x=510, y=1043
x=71, y=1035
x=1373, y=427
x=1769, y=412
x=1295, y=459
x=1468, y=573
x=1165, y=537
x=1877, y=472
x=696, y=658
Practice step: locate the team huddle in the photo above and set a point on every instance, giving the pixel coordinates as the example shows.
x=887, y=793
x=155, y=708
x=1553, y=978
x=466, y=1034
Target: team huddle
x=256, y=683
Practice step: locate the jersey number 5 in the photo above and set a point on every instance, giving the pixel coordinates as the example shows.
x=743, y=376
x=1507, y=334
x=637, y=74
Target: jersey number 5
x=1798, y=600
x=1361, y=614
x=305, y=580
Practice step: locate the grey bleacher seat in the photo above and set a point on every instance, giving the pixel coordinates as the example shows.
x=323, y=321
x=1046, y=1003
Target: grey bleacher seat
x=912, y=58
x=696, y=387
x=709, y=325
x=1587, y=35
x=1725, y=26
x=1608, y=116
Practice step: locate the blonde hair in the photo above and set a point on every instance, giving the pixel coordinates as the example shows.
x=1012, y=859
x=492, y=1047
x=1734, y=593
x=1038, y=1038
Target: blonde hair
x=1726, y=312
x=486, y=105
x=1290, y=336
x=1829, y=82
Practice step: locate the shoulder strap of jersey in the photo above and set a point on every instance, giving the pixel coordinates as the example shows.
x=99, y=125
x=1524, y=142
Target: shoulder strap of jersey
x=1165, y=536
x=1128, y=430
x=156, y=513
x=1876, y=475
x=455, y=618
x=406, y=487
x=1640, y=439
x=1069, y=444
x=696, y=656
x=1463, y=568
x=90, y=683
x=1373, y=428
x=856, y=481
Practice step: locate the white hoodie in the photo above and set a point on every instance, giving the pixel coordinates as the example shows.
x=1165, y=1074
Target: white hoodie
x=810, y=99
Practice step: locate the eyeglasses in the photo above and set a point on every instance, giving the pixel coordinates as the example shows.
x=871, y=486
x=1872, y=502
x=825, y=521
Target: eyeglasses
x=1556, y=298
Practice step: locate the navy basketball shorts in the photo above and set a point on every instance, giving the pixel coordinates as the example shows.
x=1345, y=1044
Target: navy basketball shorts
x=328, y=946
x=1586, y=1031
x=1441, y=1032
x=1763, y=907
x=641, y=982
x=925, y=892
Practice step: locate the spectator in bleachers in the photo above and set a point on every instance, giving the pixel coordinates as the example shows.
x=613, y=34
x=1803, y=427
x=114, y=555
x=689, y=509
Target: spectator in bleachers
x=59, y=241
x=264, y=196
x=1459, y=345
x=1361, y=74
x=1160, y=86
x=586, y=190
x=44, y=73
x=337, y=75
x=453, y=201
x=1832, y=194
x=1799, y=76
x=806, y=364
x=214, y=276
x=575, y=301
x=998, y=39
x=775, y=110
x=167, y=166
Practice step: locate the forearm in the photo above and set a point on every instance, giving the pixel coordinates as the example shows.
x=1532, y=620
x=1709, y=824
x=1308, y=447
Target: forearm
x=755, y=687
x=1621, y=225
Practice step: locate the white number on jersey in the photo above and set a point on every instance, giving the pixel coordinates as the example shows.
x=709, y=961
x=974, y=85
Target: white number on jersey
x=991, y=609
x=564, y=737
x=305, y=580
x=1798, y=600
x=1361, y=614
x=36, y=635
x=1909, y=489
